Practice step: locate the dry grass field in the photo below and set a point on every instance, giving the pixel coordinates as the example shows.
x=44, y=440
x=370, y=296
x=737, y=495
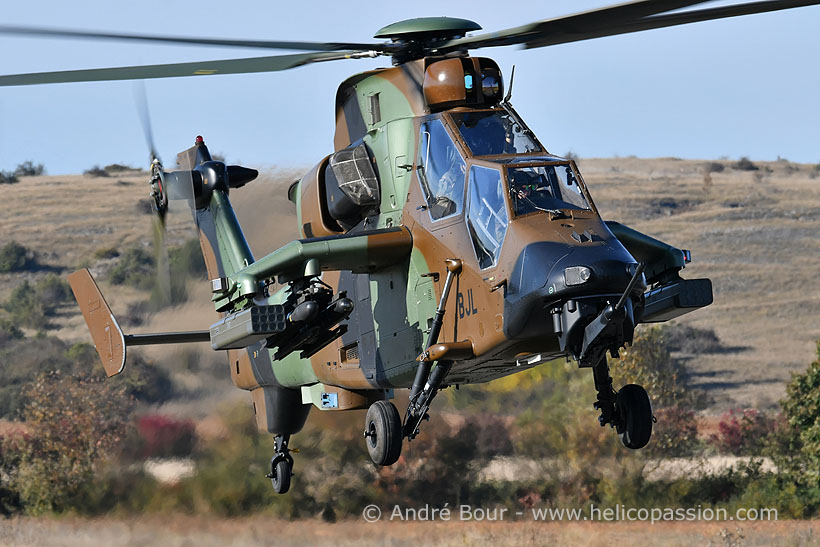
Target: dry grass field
x=756, y=234
x=261, y=530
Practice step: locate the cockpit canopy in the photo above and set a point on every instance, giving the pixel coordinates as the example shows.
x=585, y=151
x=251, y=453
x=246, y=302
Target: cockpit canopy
x=494, y=132
x=549, y=186
x=488, y=164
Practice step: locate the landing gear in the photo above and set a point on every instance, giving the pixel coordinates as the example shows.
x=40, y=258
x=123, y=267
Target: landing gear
x=427, y=384
x=383, y=433
x=635, y=411
x=628, y=410
x=281, y=465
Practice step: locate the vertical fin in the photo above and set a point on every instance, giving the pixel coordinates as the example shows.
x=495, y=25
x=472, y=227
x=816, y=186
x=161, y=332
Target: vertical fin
x=223, y=243
x=105, y=331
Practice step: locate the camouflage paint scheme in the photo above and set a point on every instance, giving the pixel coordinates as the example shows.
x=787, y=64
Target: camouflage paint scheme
x=395, y=298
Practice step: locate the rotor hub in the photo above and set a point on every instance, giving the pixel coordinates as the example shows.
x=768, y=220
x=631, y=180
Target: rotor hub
x=419, y=37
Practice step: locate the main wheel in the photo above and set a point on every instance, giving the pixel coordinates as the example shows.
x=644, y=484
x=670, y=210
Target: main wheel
x=635, y=411
x=382, y=431
x=280, y=473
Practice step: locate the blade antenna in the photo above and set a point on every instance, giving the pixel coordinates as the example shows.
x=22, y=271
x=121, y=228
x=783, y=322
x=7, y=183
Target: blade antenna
x=509, y=89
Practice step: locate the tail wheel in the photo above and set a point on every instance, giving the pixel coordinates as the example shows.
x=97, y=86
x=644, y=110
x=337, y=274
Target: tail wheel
x=280, y=472
x=382, y=431
x=635, y=411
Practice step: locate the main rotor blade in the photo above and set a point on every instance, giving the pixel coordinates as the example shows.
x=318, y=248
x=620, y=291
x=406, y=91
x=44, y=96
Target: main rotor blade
x=564, y=30
x=199, y=68
x=264, y=44
x=595, y=19
x=684, y=18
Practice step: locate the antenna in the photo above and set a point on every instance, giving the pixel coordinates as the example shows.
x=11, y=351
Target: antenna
x=509, y=90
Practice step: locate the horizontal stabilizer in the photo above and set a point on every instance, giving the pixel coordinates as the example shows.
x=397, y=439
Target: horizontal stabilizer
x=106, y=333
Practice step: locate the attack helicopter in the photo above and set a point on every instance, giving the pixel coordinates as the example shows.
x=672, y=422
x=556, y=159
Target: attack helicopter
x=441, y=242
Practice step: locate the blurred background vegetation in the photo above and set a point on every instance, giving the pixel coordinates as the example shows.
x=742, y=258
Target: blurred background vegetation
x=73, y=443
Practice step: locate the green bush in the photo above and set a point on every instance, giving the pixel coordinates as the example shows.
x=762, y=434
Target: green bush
x=96, y=171
x=9, y=331
x=24, y=358
x=7, y=177
x=799, y=440
x=29, y=169
x=53, y=288
x=744, y=164
x=135, y=268
x=117, y=168
x=676, y=432
x=31, y=305
x=26, y=308
x=14, y=257
x=106, y=252
x=648, y=362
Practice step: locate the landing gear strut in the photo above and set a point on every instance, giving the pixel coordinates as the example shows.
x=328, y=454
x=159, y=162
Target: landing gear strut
x=427, y=384
x=628, y=410
x=281, y=465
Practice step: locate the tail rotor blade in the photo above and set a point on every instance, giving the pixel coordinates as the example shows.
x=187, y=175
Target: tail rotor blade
x=162, y=261
x=141, y=101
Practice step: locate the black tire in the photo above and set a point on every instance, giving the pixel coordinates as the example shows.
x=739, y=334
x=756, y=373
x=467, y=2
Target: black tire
x=281, y=471
x=383, y=433
x=635, y=411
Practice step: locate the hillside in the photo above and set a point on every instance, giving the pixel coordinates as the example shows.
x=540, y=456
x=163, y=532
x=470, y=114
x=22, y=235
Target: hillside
x=754, y=233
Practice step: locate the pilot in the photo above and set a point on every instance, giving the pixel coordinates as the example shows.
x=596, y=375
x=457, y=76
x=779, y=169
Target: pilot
x=530, y=191
x=521, y=189
x=450, y=187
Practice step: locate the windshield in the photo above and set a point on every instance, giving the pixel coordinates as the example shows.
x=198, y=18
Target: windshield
x=494, y=132
x=544, y=188
x=486, y=214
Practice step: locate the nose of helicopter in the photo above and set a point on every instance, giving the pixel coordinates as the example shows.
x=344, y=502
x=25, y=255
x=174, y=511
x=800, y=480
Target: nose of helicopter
x=547, y=274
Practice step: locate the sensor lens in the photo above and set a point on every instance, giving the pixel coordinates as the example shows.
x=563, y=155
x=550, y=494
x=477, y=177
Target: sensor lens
x=577, y=275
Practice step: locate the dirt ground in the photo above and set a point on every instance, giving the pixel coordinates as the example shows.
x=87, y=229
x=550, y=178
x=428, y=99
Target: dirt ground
x=260, y=530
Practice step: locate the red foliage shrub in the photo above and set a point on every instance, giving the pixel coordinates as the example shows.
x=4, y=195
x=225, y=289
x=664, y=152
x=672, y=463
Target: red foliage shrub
x=163, y=436
x=743, y=432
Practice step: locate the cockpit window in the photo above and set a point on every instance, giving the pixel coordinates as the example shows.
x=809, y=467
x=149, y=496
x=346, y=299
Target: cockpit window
x=441, y=170
x=486, y=214
x=494, y=132
x=544, y=188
